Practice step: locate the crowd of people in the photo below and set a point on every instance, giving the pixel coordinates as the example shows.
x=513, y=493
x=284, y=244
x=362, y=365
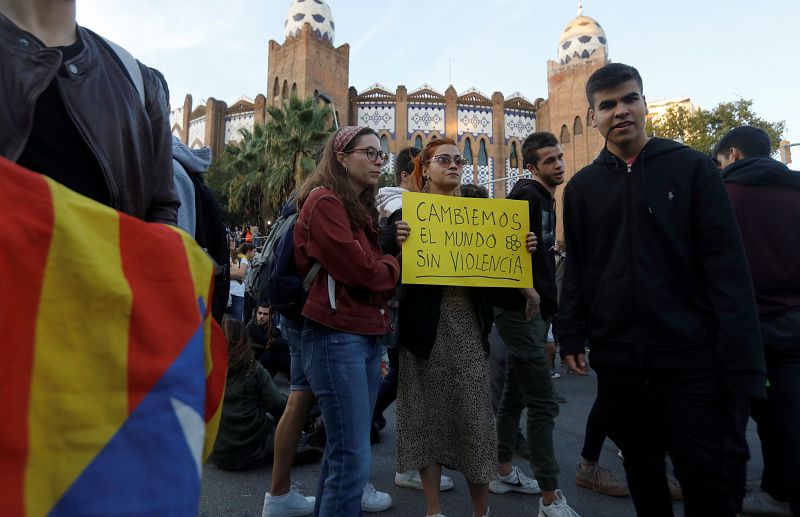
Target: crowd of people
x=681, y=278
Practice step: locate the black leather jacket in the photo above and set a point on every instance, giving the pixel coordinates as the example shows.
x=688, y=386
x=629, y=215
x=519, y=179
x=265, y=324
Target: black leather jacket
x=131, y=141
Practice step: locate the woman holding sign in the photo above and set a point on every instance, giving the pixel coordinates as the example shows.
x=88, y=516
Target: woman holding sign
x=444, y=414
x=346, y=309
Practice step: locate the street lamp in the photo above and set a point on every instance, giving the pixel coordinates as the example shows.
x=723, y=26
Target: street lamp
x=327, y=100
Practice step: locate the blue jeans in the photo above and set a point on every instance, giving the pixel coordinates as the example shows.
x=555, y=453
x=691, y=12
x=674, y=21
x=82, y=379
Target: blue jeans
x=344, y=372
x=236, y=308
x=292, y=332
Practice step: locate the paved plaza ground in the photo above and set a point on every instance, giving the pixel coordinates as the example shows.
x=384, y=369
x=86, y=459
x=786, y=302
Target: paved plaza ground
x=241, y=494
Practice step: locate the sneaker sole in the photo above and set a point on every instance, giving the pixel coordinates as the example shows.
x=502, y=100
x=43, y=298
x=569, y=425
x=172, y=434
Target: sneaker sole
x=589, y=485
x=290, y=513
x=380, y=508
x=496, y=487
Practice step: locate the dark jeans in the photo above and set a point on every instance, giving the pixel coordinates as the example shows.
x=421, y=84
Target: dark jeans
x=528, y=384
x=595, y=431
x=276, y=359
x=693, y=415
x=387, y=393
x=778, y=417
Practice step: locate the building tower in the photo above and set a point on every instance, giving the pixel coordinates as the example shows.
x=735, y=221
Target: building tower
x=582, y=49
x=308, y=64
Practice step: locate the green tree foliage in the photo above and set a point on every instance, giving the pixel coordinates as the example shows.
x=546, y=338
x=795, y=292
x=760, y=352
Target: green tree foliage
x=386, y=179
x=702, y=129
x=257, y=175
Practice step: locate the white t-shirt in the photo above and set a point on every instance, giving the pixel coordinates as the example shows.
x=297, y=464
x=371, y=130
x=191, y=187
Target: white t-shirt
x=237, y=286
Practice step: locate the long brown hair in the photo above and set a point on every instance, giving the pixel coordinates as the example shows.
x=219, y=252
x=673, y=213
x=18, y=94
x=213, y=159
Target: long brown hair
x=240, y=355
x=332, y=175
x=424, y=157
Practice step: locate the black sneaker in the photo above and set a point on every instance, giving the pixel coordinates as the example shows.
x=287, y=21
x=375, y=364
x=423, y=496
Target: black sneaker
x=306, y=455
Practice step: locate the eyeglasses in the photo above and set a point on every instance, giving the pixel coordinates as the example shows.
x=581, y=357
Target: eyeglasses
x=445, y=159
x=371, y=152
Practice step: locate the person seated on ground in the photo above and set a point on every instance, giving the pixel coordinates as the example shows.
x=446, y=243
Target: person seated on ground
x=250, y=409
x=269, y=346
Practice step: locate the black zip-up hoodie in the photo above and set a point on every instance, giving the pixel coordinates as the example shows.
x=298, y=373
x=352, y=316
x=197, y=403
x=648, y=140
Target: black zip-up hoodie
x=656, y=275
x=766, y=199
x=540, y=208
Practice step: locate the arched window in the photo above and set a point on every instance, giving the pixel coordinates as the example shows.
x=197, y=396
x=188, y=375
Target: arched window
x=433, y=137
x=577, y=127
x=418, y=142
x=564, y=134
x=384, y=144
x=483, y=156
x=316, y=93
x=513, y=161
x=468, y=150
x=294, y=89
x=276, y=88
x=285, y=89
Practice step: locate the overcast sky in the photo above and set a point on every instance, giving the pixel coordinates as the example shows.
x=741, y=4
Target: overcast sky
x=711, y=51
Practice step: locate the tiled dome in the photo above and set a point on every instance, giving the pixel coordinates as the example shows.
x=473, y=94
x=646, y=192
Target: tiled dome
x=582, y=37
x=314, y=12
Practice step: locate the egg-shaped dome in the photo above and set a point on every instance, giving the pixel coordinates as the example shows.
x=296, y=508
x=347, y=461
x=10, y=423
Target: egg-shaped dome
x=313, y=12
x=582, y=37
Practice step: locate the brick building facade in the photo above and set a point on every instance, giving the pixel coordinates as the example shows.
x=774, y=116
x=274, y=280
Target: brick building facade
x=488, y=128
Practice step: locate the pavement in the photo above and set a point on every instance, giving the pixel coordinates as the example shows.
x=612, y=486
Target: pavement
x=234, y=494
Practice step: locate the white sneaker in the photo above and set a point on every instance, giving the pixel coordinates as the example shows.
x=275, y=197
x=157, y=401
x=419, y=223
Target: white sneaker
x=411, y=479
x=517, y=481
x=759, y=502
x=290, y=504
x=559, y=508
x=374, y=501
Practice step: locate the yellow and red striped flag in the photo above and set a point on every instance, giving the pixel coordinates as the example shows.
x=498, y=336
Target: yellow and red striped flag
x=112, y=369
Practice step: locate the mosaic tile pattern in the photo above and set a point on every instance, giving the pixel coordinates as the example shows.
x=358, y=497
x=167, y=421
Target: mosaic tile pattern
x=233, y=123
x=475, y=121
x=425, y=118
x=380, y=117
x=314, y=12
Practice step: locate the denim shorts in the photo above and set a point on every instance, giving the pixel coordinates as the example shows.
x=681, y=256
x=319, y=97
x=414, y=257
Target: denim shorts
x=291, y=332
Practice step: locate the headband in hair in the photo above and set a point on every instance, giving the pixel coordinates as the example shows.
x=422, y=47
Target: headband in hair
x=345, y=136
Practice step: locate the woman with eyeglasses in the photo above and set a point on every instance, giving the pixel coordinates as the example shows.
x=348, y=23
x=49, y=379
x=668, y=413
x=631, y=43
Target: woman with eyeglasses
x=346, y=309
x=444, y=414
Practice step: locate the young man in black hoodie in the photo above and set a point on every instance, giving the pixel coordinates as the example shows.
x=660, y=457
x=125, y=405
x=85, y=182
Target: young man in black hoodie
x=765, y=196
x=522, y=318
x=657, y=281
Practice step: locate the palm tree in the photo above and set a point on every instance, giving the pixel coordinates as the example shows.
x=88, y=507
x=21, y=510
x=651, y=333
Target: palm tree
x=275, y=158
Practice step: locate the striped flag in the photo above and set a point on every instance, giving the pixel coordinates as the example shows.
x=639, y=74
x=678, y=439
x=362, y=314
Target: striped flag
x=112, y=370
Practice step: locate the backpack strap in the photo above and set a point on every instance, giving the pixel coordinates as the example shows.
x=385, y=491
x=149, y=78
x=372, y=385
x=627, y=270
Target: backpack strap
x=131, y=66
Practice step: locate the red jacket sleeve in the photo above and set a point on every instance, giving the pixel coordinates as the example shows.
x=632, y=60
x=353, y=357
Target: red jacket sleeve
x=349, y=257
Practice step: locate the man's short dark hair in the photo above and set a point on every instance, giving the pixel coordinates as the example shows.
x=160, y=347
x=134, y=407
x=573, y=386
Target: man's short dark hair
x=750, y=141
x=610, y=76
x=472, y=190
x=533, y=143
x=404, y=163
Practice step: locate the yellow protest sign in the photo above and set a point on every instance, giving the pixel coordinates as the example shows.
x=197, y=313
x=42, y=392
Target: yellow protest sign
x=466, y=241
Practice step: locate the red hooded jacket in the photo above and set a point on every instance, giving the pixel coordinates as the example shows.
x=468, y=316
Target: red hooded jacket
x=365, y=277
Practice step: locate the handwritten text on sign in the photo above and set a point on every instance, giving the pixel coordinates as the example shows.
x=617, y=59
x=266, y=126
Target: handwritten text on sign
x=466, y=241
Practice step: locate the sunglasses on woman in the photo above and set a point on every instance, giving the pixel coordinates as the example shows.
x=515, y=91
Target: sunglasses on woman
x=445, y=159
